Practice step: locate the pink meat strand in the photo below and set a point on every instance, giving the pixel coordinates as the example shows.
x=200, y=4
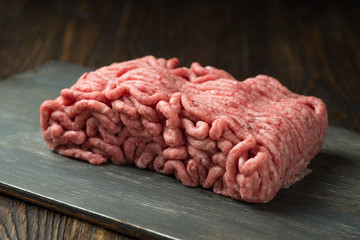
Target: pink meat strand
x=245, y=140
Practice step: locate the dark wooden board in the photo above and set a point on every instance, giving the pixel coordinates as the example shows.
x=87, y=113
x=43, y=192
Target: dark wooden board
x=141, y=203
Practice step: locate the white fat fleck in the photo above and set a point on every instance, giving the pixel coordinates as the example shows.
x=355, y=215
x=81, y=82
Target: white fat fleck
x=100, y=74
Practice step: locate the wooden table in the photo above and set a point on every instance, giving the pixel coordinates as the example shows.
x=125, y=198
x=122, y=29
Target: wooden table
x=312, y=48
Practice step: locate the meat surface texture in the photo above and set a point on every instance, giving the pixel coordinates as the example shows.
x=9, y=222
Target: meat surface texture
x=245, y=140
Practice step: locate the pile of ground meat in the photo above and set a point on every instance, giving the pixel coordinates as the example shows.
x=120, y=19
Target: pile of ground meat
x=245, y=140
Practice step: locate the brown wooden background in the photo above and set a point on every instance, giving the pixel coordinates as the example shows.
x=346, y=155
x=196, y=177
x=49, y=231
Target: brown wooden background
x=312, y=47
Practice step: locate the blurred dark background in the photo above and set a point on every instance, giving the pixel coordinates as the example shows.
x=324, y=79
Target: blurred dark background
x=312, y=47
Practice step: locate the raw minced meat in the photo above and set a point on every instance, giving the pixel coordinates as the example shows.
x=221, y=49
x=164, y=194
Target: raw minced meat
x=245, y=140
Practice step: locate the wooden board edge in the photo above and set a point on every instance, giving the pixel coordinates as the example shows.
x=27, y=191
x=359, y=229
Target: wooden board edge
x=112, y=224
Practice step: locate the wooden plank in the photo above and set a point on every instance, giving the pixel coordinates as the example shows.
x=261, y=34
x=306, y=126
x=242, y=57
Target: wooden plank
x=146, y=204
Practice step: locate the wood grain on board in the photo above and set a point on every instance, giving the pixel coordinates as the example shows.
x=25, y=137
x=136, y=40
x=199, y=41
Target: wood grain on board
x=146, y=204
